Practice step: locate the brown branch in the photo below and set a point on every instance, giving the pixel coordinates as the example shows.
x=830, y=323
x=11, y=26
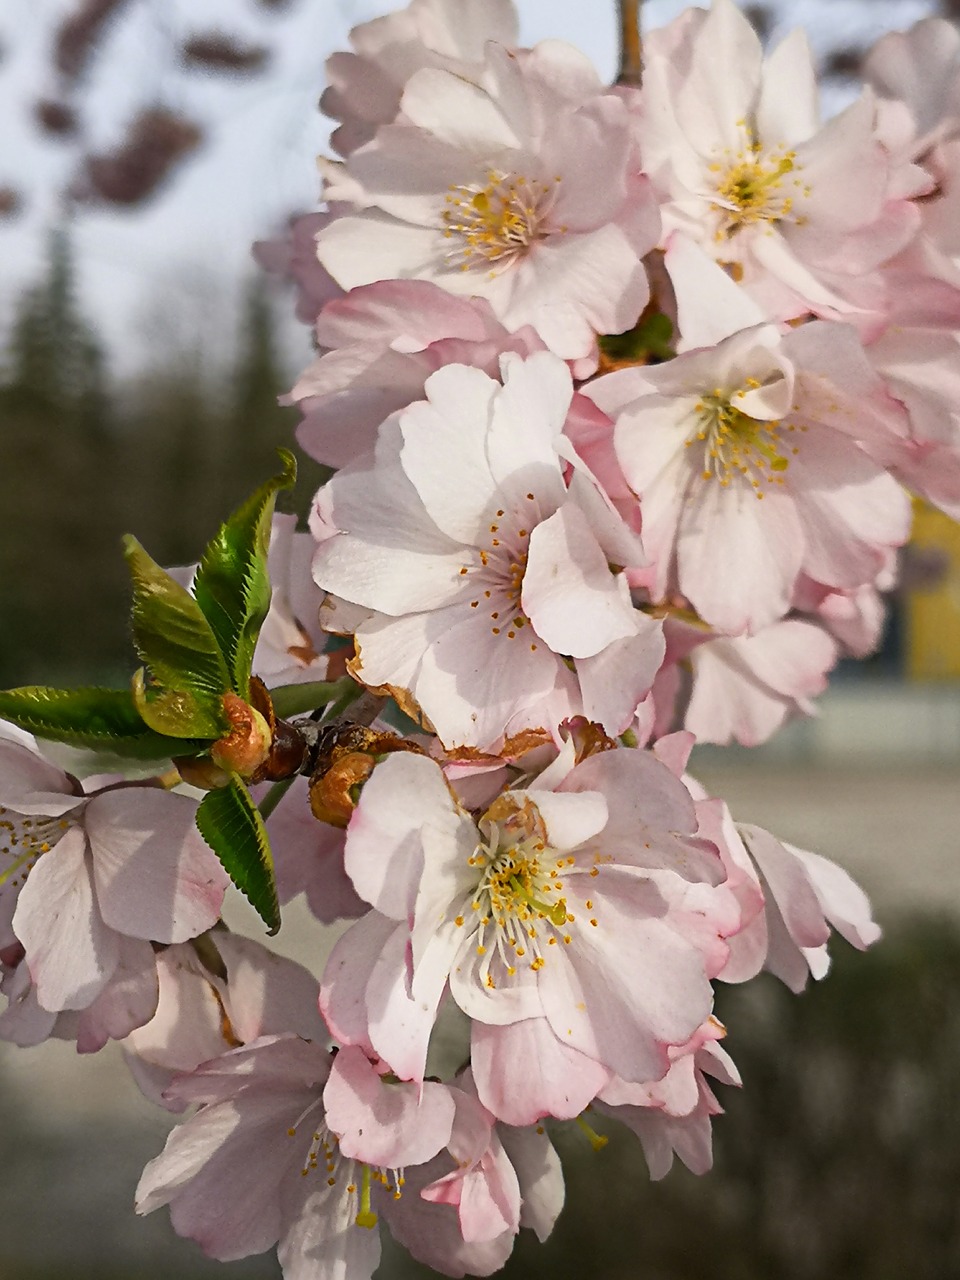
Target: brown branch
x=631, y=46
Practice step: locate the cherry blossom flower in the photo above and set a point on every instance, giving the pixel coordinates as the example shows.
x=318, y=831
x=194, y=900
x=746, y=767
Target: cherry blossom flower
x=522, y=189
x=291, y=645
x=486, y=572
x=805, y=894
x=82, y=873
x=789, y=899
x=245, y=1172
x=744, y=688
x=295, y=258
x=294, y=1147
x=577, y=927
x=496, y=1177
x=380, y=344
x=756, y=461
x=740, y=163
x=921, y=69
x=673, y=1115
x=216, y=994
x=366, y=86
x=127, y=1001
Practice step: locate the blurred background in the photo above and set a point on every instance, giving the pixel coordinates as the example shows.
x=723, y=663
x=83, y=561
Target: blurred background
x=145, y=145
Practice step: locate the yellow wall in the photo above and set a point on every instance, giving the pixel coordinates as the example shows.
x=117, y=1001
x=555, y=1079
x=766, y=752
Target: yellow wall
x=932, y=616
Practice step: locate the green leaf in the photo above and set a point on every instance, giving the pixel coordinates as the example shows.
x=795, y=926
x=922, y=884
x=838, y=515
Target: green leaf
x=179, y=713
x=231, y=824
x=171, y=633
x=97, y=719
x=232, y=585
x=300, y=699
x=648, y=342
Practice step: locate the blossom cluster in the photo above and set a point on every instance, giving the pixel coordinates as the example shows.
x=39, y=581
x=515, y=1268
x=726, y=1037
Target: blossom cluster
x=625, y=392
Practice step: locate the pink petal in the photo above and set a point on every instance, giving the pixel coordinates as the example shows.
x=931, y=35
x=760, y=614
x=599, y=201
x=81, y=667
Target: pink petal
x=70, y=951
x=29, y=785
x=156, y=877
x=390, y=1125
x=558, y=1080
x=128, y=1001
x=572, y=599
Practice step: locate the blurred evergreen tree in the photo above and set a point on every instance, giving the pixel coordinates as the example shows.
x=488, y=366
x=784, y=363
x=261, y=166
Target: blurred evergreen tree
x=255, y=423
x=57, y=454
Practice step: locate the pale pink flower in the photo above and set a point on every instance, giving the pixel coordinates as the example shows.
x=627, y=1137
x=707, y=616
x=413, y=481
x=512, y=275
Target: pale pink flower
x=673, y=1115
x=365, y=87
x=83, y=873
x=127, y=1001
x=290, y=648
x=921, y=69
x=294, y=258
x=488, y=566
x=805, y=895
x=918, y=356
x=747, y=948
x=226, y=993
x=744, y=688
x=740, y=163
x=577, y=927
x=758, y=460
x=294, y=1147
x=522, y=189
x=380, y=343
x=854, y=618
x=497, y=1178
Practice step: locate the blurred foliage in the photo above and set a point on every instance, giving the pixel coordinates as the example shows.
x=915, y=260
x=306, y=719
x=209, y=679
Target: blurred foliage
x=85, y=460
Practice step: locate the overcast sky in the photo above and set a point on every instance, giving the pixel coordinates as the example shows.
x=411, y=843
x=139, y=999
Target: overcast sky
x=138, y=269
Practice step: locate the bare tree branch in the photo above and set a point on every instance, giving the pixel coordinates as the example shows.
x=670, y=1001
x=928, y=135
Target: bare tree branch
x=631, y=46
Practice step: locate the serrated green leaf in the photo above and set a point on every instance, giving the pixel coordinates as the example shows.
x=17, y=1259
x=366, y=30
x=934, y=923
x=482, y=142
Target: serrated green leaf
x=231, y=824
x=232, y=585
x=300, y=699
x=179, y=713
x=97, y=719
x=171, y=633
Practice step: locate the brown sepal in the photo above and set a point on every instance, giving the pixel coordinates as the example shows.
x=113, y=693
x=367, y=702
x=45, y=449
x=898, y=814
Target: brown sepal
x=589, y=738
x=346, y=760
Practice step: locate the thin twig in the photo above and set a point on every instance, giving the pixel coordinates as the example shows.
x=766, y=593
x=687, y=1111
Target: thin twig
x=631, y=45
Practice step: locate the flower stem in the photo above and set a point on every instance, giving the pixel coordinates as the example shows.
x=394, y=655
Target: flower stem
x=631, y=46
x=274, y=796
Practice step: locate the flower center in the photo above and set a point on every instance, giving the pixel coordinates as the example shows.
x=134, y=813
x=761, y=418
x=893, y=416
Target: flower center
x=518, y=907
x=752, y=185
x=734, y=444
x=354, y=1177
x=22, y=841
x=496, y=224
x=503, y=562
